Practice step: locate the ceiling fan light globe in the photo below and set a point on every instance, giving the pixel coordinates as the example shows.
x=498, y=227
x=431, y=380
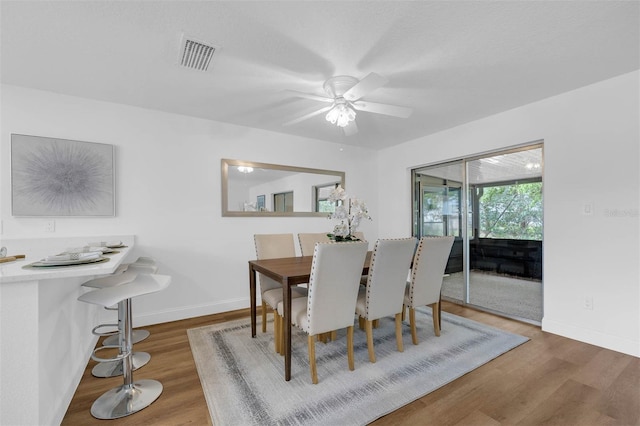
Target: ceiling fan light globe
x=341, y=115
x=332, y=115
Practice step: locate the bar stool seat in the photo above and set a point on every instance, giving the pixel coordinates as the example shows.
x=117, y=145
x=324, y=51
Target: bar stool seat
x=142, y=265
x=132, y=396
x=113, y=368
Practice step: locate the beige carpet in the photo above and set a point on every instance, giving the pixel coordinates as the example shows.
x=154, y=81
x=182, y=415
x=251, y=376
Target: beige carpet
x=243, y=378
x=513, y=296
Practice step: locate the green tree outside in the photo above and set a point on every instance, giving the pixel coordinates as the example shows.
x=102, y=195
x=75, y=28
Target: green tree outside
x=511, y=211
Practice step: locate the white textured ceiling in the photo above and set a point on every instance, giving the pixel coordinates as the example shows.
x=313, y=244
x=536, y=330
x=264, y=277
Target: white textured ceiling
x=452, y=62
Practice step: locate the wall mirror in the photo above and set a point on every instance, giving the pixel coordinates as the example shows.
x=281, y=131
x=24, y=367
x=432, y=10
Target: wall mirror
x=261, y=189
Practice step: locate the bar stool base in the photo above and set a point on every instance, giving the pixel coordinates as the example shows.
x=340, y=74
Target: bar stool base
x=124, y=400
x=114, y=368
x=136, y=336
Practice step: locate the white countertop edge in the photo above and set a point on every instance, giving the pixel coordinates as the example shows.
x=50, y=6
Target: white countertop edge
x=36, y=249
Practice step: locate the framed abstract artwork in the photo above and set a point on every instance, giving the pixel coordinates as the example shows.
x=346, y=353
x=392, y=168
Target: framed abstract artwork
x=60, y=177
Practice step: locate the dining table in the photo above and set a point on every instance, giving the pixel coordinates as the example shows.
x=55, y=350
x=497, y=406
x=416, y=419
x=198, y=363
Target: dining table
x=288, y=271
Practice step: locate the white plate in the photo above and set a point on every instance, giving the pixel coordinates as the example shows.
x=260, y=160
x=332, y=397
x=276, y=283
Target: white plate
x=68, y=262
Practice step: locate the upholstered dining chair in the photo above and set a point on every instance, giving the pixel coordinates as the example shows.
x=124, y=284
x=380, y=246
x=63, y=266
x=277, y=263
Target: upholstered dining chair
x=333, y=290
x=429, y=263
x=270, y=246
x=308, y=241
x=384, y=293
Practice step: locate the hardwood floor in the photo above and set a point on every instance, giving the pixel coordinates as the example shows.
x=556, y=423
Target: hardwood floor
x=548, y=380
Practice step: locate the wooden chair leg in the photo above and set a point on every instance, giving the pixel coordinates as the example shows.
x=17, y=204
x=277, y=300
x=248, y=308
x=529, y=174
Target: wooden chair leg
x=264, y=316
x=399, y=332
x=333, y=336
x=360, y=323
x=436, y=318
x=376, y=323
x=440, y=310
x=404, y=309
x=369, y=328
x=311, y=343
x=412, y=322
x=350, y=347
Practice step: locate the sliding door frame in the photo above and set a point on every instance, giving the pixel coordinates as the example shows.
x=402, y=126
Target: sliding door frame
x=464, y=208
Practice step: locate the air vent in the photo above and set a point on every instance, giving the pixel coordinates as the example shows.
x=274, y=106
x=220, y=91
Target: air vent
x=195, y=54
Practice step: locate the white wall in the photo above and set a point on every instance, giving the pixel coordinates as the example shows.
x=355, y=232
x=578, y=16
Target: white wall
x=591, y=155
x=168, y=192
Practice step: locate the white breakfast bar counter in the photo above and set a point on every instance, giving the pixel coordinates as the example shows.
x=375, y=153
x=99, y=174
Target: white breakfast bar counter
x=45, y=333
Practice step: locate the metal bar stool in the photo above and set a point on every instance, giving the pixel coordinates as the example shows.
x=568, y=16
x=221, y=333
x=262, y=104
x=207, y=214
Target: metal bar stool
x=143, y=265
x=124, y=274
x=130, y=397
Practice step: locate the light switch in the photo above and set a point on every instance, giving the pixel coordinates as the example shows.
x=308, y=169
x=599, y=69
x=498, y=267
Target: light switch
x=587, y=209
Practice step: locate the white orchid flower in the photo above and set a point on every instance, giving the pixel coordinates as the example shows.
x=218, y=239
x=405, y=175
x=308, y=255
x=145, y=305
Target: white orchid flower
x=340, y=212
x=351, y=210
x=341, y=230
x=338, y=194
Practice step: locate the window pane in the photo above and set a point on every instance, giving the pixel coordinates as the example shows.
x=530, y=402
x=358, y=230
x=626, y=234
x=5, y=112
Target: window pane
x=326, y=206
x=283, y=202
x=321, y=196
x=511, y=211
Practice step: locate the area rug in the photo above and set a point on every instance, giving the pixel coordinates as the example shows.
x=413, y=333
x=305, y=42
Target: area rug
x=243, y=378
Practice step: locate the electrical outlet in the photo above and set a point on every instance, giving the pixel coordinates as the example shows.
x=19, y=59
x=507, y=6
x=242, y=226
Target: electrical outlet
x=588, y=303
x=587, y=209
x=50, y=226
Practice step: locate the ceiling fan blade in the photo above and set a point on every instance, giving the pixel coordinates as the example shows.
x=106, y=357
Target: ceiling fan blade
x=307, y=116
x=396, y=111
x=309, y=96
x=350, y=129
x=368, y=84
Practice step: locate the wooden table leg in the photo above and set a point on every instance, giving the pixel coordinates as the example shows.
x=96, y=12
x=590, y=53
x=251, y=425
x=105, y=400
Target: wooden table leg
x=286, y=289
x=252, y=296
x=440, y=311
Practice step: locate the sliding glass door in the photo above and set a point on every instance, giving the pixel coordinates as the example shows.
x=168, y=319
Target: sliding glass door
x=438, y=211
x=496, y=261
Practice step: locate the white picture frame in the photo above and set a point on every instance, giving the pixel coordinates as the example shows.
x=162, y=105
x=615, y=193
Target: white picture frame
x=60, y=177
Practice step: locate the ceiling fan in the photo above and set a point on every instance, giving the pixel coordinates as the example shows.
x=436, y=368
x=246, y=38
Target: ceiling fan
x=345, y=95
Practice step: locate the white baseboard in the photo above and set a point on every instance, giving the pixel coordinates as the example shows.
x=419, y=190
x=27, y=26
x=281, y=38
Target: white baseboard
x=150, y=318
x=593, y=337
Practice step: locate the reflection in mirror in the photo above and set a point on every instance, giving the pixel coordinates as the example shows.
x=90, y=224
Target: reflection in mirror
x=261, y=189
